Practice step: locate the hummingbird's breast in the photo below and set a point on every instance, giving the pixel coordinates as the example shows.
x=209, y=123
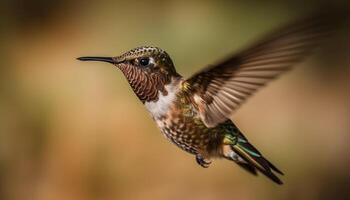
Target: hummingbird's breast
x=180, y=122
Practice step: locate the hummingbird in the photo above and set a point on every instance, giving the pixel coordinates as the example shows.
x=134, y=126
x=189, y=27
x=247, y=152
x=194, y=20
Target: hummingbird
x=194, y=113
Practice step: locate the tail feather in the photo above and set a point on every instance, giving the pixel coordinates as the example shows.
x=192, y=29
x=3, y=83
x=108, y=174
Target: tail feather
x=249, y=148
x=254, y=158
x=237, y=148
x=274, y=168
x=248, y=167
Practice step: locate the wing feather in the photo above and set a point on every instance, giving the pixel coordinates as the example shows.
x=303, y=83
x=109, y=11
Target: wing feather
x=225, y=86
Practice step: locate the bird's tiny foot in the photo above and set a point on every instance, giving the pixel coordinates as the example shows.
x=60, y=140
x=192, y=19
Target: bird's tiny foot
x=202, y=161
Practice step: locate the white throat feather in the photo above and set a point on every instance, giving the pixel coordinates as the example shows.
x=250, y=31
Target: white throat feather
x=160, y=108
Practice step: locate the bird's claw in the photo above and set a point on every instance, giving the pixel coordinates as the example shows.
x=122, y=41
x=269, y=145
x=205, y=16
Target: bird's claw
x=202, y=161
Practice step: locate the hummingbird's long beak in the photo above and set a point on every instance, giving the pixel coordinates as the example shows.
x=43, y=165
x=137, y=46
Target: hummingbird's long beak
x=101, y=59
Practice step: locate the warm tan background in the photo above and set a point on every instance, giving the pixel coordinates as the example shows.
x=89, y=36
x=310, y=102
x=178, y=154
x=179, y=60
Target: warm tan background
x=74, y=131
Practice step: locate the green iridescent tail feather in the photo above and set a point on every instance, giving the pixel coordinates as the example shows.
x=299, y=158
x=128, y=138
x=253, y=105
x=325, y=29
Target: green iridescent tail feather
x=254, y=158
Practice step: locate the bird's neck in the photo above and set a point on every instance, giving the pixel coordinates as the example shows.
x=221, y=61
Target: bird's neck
x=161, y=107
x=150, y=87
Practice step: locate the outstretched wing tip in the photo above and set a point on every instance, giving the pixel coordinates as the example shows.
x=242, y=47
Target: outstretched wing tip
x=227, y=85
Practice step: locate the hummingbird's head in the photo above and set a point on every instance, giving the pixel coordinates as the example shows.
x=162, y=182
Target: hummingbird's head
x=148, y=70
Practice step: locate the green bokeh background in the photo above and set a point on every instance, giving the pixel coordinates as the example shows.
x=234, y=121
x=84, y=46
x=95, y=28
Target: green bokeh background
x=75, y=131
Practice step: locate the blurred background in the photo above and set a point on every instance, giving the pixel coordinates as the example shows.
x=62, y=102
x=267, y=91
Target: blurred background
x=75, y=131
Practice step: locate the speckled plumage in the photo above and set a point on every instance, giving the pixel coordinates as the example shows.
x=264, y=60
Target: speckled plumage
x=194, y=113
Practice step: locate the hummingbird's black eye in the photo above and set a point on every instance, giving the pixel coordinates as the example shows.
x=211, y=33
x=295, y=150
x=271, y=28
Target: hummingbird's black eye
x=144, y=61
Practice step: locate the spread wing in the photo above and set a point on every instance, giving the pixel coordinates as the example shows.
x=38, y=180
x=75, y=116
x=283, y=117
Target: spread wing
x=219, y=90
